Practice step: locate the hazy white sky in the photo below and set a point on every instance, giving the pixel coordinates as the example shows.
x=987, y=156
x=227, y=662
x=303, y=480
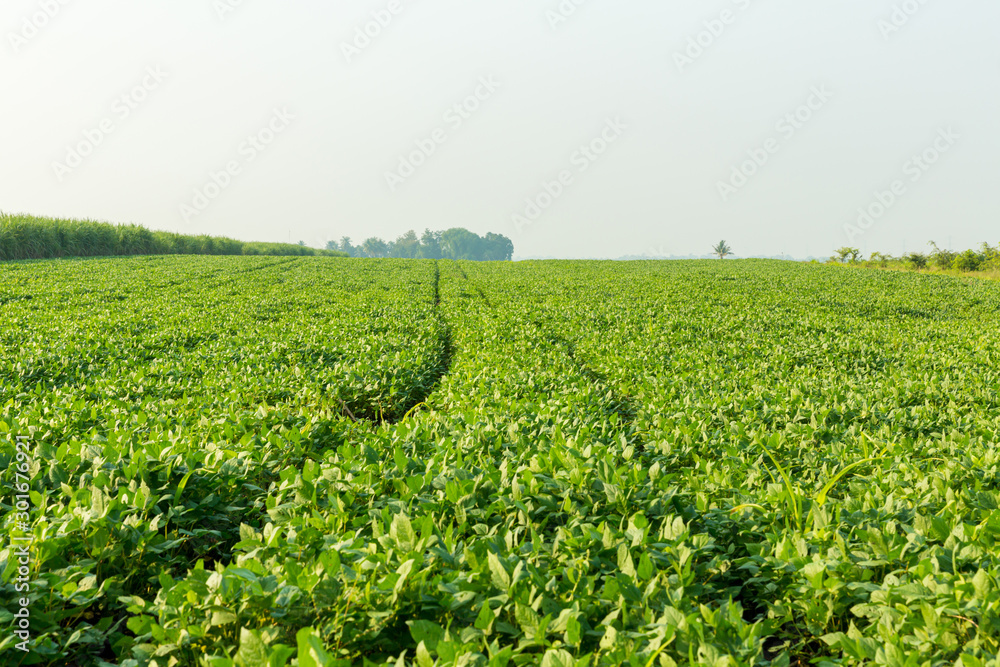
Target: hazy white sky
x=579, y=128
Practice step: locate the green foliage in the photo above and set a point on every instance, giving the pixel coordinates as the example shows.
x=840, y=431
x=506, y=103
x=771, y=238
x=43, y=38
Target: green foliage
x=990, y=255
x=916, y=260
x=986, y=258
x=252, y=461
x=969, y=260
x=847, y=254
x=456, y=243
x=880, y=259
x=941, y=259
x=29, y=237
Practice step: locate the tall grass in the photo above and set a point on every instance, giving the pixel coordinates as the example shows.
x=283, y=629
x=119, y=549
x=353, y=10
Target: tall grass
x=29, y=237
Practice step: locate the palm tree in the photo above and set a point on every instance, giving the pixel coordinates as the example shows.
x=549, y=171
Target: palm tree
x=375, y=247
x=722, y=250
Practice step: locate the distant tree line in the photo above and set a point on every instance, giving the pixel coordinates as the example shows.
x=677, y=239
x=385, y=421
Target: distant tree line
x=986, y=258
x=454, y=243
x=31, y=237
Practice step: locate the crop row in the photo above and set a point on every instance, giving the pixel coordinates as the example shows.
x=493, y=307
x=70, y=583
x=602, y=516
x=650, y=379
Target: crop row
x=834, y=436
x=165, y=396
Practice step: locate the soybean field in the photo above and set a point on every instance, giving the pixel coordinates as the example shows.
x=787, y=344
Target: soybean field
x=315, y=461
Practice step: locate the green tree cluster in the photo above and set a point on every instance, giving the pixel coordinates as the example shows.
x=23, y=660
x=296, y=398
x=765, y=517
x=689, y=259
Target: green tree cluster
x=454, y=243
x=985, y=258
